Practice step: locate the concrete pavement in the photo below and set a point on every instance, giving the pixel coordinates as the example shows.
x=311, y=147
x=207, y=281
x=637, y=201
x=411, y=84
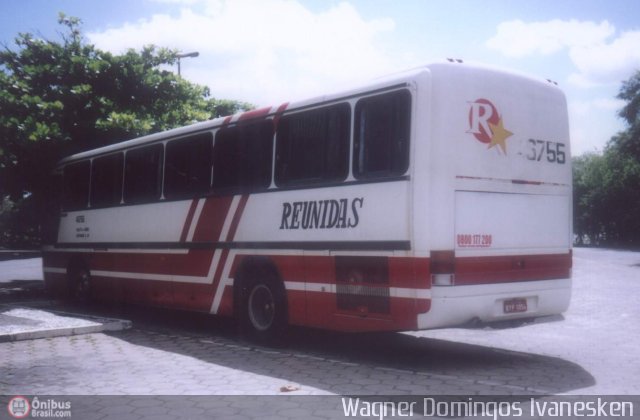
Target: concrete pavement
x=36, y=319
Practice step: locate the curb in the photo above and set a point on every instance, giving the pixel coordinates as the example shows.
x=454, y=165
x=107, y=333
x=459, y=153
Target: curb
x=96, y=325
x=6, y=255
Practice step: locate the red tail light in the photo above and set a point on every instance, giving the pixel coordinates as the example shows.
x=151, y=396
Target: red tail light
x=443, y=265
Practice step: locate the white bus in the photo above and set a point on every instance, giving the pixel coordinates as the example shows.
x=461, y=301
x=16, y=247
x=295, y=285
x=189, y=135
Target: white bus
x=433, y=198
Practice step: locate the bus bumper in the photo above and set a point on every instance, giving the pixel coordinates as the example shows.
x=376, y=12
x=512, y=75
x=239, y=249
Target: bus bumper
x=453, y=306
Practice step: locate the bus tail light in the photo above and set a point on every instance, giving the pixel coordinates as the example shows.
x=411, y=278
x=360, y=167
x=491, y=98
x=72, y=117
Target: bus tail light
x=443, y=268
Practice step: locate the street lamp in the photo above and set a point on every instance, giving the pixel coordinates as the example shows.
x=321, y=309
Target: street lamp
x=185, y=55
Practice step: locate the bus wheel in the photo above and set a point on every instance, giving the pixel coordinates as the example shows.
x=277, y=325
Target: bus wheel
x=264, y=311
x=79, y=284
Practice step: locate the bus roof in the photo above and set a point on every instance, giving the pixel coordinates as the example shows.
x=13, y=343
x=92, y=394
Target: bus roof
x=372, y=85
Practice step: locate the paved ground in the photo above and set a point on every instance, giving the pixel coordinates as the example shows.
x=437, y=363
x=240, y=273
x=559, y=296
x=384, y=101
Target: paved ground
x=593, y=351
x=191, y=354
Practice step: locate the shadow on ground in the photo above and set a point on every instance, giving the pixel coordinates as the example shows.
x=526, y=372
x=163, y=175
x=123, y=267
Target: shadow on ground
x=372, y=364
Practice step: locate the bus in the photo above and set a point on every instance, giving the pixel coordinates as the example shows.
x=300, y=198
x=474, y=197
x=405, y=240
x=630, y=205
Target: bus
x=436, y=197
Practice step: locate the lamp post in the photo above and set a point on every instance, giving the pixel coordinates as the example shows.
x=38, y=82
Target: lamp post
x=185, y=55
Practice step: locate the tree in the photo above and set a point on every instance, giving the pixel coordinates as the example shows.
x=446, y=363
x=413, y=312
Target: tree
x=588, y=171
x=607, y=186
x=622, y=181
x=629, y=142
x=62, y=97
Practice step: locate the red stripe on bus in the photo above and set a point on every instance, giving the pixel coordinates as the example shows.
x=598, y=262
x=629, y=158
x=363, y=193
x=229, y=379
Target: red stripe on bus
x=511, y=268
x=513, y=181
x=236, y=218
x=235, y=221
x=404, y=272
x=255, y=113
x=214, y=212
x=278, y=115
x=187, y=296
x=194, y=263
x=187, y=223
x=226, y=303
x=218, y=271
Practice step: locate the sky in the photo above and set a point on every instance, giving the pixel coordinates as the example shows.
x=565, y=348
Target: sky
x=270, y=51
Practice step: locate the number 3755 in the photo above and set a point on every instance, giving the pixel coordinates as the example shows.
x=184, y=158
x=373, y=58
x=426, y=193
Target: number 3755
x=553, y=151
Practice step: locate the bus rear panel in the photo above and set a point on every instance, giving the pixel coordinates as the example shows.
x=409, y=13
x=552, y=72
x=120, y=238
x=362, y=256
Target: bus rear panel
x=499, y=197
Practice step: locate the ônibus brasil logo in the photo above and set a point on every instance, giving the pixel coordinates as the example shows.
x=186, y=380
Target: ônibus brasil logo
x=19, y=407
x=487, y=126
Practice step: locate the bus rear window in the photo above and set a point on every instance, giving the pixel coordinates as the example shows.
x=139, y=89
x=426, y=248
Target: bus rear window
x=75, y=195
x=143, y=174
x=382, y=128
x=106, y=181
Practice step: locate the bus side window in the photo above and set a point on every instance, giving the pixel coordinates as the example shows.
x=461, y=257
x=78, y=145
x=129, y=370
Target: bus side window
x=188, y=163
x=313, y=146
x=382, y=129
x=143, y=174
x=242, y=157
x=106, y=180
x=75, y=190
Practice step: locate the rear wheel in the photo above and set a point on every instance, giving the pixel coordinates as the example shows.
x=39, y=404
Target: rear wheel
x=263, y=310
x=261, y=307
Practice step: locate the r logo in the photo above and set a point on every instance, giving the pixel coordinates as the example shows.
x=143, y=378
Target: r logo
x=486, y=125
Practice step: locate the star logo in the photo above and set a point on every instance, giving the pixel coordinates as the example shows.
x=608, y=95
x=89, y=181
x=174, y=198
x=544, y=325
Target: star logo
x=500, y=136
x=487, y=125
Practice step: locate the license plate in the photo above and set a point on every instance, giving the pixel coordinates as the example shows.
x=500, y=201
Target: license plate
x=512, y=306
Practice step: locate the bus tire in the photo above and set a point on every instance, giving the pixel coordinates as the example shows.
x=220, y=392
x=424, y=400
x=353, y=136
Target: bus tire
x=79, y=283
x=263, y=307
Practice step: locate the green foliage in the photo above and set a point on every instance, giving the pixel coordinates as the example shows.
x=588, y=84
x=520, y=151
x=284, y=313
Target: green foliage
x=62, y=97
x=587, y=172
x=607, y=186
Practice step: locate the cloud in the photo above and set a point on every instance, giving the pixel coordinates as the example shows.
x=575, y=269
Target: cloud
x=267, y=50
x=611, y=62
x=519, y=39
x=599, y=54
x=593, y=122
